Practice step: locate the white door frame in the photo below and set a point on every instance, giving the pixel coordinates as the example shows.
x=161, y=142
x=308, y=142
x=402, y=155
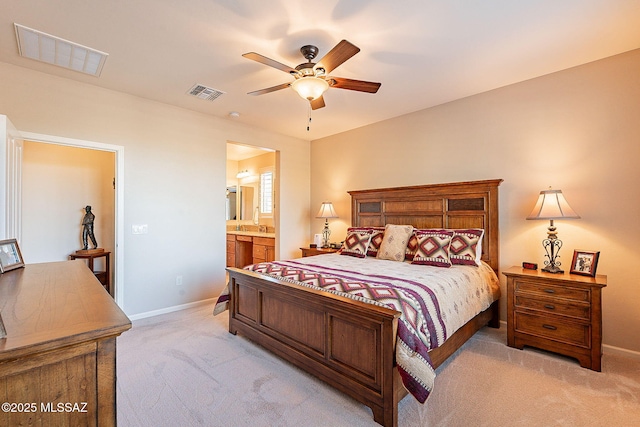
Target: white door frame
x=11, y=180
x=119, y=237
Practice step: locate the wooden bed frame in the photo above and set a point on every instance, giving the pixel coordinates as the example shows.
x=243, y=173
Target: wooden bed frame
x=350, y=344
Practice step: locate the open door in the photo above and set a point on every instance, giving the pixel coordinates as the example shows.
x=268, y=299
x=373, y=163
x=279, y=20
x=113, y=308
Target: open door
x=11, y=144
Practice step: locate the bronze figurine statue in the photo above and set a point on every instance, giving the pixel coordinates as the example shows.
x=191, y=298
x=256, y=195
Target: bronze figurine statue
x=87, y=229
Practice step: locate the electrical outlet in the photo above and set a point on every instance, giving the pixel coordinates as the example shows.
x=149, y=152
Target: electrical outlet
x=178, y=280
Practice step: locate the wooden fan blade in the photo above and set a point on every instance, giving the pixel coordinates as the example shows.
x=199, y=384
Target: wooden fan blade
x=270, y=62
x=270, y=89
x=336, y=56
x=359, y=85
x=317, y=103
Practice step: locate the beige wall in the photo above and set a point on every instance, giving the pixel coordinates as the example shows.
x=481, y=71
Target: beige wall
x=58, y=182
x=577, y=130
x=174, y=179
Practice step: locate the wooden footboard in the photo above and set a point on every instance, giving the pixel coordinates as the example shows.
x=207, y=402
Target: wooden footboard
x=346, y=343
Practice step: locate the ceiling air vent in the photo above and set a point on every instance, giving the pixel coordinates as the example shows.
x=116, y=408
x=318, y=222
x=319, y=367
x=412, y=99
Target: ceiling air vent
x=44, y=47
x=204, y=92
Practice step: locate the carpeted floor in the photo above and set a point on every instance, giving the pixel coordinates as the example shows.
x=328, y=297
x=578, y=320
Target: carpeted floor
x=185, y=369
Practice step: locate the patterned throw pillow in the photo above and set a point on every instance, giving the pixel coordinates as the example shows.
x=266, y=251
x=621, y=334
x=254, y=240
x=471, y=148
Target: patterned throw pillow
x=376, y=238
x=356, y=243
x=433, y=248
x=412, y=246
x=377, y=235
x=394, y=243
x=466, y=246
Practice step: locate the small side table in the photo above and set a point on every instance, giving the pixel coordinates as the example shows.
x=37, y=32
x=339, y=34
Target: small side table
x=103, y=276
x=317, y=251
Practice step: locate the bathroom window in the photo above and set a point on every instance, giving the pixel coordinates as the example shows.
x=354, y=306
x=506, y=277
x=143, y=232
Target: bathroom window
x=266, y=192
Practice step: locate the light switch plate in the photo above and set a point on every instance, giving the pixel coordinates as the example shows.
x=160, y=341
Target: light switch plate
x=139, y=229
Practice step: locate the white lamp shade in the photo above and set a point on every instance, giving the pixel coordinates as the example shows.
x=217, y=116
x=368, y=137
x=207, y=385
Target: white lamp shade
x=551, y=204
x=310, y=88
x=327, y=211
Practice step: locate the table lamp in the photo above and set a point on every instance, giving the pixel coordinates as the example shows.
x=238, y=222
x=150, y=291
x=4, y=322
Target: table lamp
x=326, y=212
x=552, y=205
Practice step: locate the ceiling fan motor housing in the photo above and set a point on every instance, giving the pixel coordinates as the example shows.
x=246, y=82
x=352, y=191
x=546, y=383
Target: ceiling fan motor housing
x=309, y=52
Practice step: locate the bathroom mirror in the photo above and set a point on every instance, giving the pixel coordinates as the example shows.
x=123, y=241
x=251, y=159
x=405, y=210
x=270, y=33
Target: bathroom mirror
x=246, y=203
x=239, y=203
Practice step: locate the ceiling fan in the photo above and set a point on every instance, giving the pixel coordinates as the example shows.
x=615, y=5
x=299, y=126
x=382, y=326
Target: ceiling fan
x=312, y=79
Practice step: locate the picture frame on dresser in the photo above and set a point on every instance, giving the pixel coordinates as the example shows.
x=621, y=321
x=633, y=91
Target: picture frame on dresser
x=585, y=262
x=10, y=255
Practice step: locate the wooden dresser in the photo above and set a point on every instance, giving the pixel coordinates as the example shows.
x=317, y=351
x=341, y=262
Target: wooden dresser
x=58, y=360
x=556, y=312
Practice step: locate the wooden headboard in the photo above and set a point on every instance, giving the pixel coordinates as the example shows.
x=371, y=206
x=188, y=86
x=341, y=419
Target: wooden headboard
x=471, y=204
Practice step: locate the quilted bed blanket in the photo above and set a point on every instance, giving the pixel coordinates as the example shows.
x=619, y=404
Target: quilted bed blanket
x=434, y=302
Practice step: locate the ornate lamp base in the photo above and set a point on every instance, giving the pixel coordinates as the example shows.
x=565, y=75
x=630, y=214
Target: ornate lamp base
x=326, y=233
x=552, y=247
x=553, y=269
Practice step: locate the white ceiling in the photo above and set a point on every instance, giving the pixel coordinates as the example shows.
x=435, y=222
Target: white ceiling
x=424, y=52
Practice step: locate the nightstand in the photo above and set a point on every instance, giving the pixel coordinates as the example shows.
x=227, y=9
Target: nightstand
x=317, y=251
x=556, y=312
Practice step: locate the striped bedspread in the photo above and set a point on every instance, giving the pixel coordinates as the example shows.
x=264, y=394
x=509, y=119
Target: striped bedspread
x=434, y=302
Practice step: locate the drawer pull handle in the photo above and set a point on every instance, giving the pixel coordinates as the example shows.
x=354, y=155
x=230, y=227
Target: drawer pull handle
x=550, y=291
x=550, y=306
x=550, y=327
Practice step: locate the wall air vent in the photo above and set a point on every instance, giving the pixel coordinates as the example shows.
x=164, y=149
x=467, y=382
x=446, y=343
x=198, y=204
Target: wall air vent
x=204, y=92
x=53, y=50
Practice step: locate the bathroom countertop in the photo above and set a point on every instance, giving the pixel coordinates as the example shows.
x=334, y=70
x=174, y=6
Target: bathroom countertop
x=251, y=233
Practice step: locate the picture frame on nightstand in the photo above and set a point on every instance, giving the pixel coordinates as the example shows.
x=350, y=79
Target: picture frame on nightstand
x=585, y=262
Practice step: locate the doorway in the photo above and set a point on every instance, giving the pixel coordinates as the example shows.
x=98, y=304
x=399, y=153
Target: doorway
x=58, y=182
x=252, y=193
x=114, y=214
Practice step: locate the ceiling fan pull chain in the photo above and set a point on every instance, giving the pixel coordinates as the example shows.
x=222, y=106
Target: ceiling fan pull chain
x=309, y=122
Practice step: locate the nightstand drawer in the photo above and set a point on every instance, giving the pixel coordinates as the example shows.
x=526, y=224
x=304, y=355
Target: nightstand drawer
x=554, y=328
x=553, y=306
x=549, y=290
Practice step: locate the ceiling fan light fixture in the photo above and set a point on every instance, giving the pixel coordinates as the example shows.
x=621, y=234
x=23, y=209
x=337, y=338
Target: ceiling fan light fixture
x=310, y=88
x=312, y=79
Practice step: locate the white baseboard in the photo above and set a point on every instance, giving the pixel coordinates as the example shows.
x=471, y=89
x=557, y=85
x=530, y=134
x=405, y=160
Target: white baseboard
x=172, y=309
x=617, y=351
